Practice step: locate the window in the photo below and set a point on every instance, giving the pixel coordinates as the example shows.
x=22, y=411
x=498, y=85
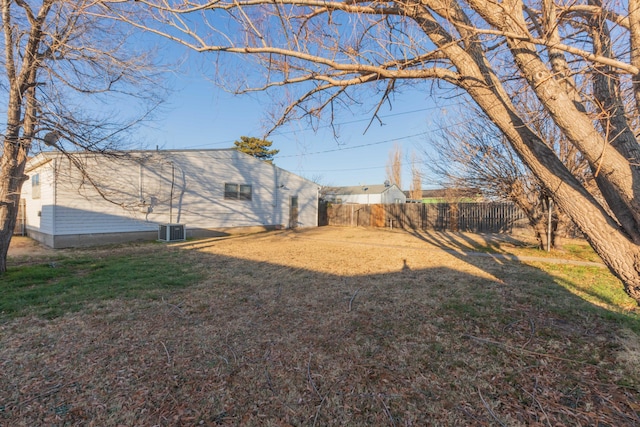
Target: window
x=35, y=186
x=237, y=191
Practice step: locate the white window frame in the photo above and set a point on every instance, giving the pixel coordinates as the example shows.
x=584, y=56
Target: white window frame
x=242, y=192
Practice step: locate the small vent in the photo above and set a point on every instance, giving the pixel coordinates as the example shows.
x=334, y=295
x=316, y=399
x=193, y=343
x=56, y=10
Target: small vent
x=172, y=232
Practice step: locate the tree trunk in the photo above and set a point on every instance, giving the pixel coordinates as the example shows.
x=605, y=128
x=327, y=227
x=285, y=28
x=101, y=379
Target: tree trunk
x=622, y=258
x=13, y=162
x=540, y=231
x=21, y=117
x=11, y=179
x=607, y=238
x=605, y=235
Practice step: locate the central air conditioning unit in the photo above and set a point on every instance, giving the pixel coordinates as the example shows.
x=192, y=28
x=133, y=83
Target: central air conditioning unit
x=172, y=232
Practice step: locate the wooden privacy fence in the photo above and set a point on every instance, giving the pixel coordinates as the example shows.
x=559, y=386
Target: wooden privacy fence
x=471, y=217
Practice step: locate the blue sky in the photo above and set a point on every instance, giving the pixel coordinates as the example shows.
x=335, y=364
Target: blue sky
x=199, y=115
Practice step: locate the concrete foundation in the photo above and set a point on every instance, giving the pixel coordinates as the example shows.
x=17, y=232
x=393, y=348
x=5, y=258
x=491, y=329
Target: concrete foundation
x=88, y=240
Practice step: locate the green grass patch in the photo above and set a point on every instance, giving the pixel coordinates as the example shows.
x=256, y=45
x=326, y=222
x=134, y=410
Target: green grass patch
x=56, y=287
x=597, y=286
x=582, y=251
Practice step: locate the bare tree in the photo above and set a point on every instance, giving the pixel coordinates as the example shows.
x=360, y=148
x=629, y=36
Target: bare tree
x=60, y=57
x=469, y=152
x=394, y=166
x=415, y=192
x=565, y=53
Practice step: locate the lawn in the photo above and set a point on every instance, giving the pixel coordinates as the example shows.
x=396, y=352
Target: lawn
x=328, y=326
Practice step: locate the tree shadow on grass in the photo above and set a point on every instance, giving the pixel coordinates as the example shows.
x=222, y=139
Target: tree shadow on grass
x=577, y=276
x=480, y=342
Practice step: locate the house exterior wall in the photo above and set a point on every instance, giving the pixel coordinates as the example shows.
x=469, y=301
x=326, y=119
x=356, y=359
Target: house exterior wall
x=363, y=199
x=367, y=195
x=39, y=204
x=136, y=193
x=288, y=185
x=393, y=195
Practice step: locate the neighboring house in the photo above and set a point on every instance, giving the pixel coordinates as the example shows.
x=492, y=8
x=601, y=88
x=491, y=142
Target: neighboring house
x=97, y=199
x=365, y=194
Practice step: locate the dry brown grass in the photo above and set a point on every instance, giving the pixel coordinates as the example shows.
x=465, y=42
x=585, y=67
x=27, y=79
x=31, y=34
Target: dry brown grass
x=329, y=327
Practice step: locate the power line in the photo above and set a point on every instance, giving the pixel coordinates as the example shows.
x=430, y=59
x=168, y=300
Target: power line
x=386, y=141
x=386, y=116
x=336, y=170
x=402, y=113
x=225, y=142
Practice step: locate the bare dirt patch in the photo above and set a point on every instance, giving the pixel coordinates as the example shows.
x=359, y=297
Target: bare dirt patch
x=22, y=247
x=328, y=326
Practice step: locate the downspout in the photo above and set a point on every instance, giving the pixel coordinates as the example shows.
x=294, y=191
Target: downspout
x=275, y=195
x=173, y=179
x=142, y=203
x=55, y=199
x=140, y=183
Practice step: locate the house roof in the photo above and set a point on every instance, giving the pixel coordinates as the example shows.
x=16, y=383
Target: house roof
x=360, y=189
x=45, y=156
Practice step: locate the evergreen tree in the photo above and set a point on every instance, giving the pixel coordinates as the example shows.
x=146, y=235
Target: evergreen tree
x=256, y=147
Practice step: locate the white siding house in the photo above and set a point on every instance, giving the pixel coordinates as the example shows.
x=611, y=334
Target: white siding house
x=366, y=194
x=97, y=199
